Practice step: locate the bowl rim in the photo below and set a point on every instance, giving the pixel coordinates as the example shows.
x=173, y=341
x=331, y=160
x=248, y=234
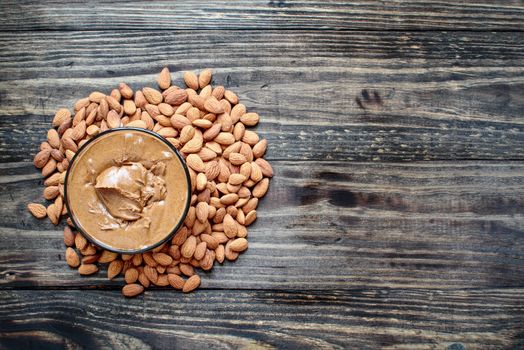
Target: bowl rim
x=149, y=247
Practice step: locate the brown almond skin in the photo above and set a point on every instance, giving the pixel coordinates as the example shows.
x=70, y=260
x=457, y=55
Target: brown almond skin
x=132, y=290
x=87, y=269
x=191, y=284
x=72, y=258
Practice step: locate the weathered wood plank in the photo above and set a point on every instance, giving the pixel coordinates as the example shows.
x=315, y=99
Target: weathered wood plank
x=365, y=319
x=442, y=96
x=481, y=15
x=328, y=225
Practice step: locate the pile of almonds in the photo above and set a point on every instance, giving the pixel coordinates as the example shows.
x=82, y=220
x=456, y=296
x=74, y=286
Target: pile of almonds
x=228, y=176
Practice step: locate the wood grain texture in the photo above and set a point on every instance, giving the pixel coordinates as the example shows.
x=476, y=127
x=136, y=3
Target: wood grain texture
x=480, y=15
x=326, y=226
x=442, y=96
x=365, y=319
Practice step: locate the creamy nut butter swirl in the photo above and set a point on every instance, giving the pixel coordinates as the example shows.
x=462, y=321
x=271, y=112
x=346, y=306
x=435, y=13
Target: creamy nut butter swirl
x=127, y=189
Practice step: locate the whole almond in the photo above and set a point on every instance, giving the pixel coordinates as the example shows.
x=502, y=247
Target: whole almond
x=69, y=237
x=195, y=163
x=41, y=158
x=132, y=290
x=225, y=138
x=188, y=248
x=96, y=96
x=256, y=172
x=231, y=97
x=175, y=96
x=80, y=242
x=176, y=281
x=125, y=90
x=205, y=78
x=162, y=258
x=113, y=119
x=53, y=138
x=200, y=250
x=53, y=213
x=50, y=192
x=61, y=116
x=87, y=269
x=37, y=210
x=129, y=107
x=230, y=226
x=72, y=258
x=140, y=99
x=202, y=211
x=239, y=245
x=212, y=132
x=92, y=130
x=250, y=217
x=152, y=96
x=103, y=109
x=250, y=137
x=206, y=154
x=151, y=273
x=237, y=158
x=179, y=121
x=114, y=268
x=191, y=284
x=211, y=104
x=79, y=131
x=82, y=103
x=107, y=256
x=131, y=275
x=137, y=124
x=218, y=92
x=265, y=167
x=238, y=111
x=250, y=119
x=260, y=148
x=166, y=109
x=113, y=104
x=191, y=80
x=260, y=188
x=187, y=133
x=236, y=179
x=164, y=79
x=49, y=167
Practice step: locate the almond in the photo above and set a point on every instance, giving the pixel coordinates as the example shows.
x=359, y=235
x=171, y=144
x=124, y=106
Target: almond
x=151, y=273
x=53, y=138
x=265, y=167
x=164, y=79
x=238, y=111
x=61, y=116
x=238, y=245
x=175, y=96
x=72, y=258
x=113, y=120
x=79, y=131
x=218, y=92
x=129, y=107
x=225, y=138
x=250, y=119
x=175, y=281
x=131, y=275
x=237, y=158
x=50, y=192
x=37, y=210
x=230, y=226
x=188, y=248
x=250, y=137
x=211, y=104
x=250, y=217
x=82, y=103
x=202, y=211
x=260, y=148
x=191, y=284
x=69, y=237
x=125, y=90
x=166, y=109
x=114, y=268
x=162, y=258
x=204, y=78
x=96, y=96
x=191, y=80
x=200, y=250
x=236, y=179
x=53, y=212
x=261, y=188
x=107, y=256
x=195, y=163
x=152, y=96
x=49, y=167
x=87, y=269
x=132, y=290
x=179, y=121
x=137, y=124
x=231, y=97
x=41, y=158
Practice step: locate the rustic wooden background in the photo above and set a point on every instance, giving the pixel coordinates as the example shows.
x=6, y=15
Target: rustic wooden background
x=396, y=131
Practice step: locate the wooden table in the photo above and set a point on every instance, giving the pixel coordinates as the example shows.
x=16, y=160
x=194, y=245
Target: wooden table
x=396, y=131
